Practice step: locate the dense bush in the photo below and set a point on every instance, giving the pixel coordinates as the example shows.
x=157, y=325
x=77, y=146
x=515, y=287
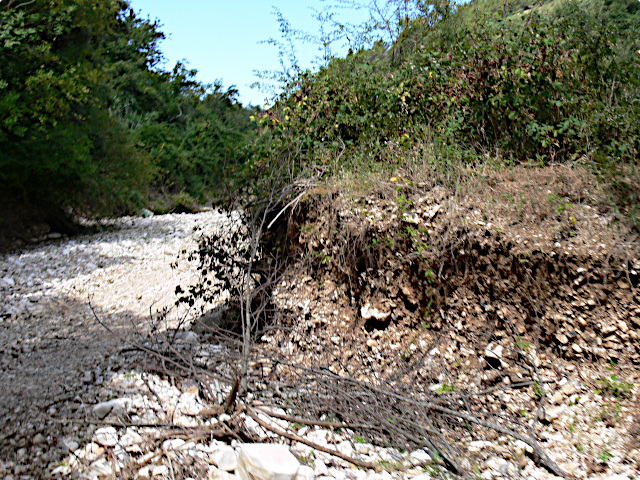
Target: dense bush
x=528, y=87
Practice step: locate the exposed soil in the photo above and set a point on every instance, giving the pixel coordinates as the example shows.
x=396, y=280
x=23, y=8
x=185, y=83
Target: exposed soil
x=515, y=294
x=410, y=284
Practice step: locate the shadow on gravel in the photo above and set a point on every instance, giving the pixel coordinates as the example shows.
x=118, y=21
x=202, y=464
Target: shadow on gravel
x=55, y=366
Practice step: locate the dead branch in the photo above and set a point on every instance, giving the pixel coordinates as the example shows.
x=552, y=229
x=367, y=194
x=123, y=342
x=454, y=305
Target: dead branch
x=188, y=368
x=315, y=423
x=297, y=438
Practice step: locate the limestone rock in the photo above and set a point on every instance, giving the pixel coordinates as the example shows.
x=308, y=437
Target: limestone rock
x=551, y=414
x=368, y=312
x=117, y=405
x=419, y=457
x=257, y=461
x=493, y=355
x=225, y=459
x=106, y=436
x=305, y=472
x=479, y=445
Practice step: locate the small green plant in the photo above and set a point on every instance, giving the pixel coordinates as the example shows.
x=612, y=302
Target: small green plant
x=614, y=386
x=373, y=243
x=537, y=390
x=307, y=460
x=610, y=416
x=430, y=274
x=579, y=448
x=390, y=465
x=605, y=456
x=524, y=346
x=404, y=203
x=446, y=388
x=358, y=439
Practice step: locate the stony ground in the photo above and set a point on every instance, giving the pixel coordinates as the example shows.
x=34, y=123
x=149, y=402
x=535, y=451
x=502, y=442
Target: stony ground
x=56, y=359
x=79, y=399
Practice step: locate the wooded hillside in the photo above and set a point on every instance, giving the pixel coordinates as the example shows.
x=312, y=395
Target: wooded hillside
x=90, y=121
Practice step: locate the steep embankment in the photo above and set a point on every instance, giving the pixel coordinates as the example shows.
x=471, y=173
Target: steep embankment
x=512, y=297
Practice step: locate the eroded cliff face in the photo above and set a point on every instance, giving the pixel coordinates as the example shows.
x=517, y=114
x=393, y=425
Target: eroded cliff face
x=521, y=278
x=530, y=252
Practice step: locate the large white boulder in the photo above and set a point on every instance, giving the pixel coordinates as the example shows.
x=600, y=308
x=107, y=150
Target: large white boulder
x=264, y=461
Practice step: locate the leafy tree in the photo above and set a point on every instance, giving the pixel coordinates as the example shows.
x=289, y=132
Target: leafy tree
x=59, y=143
x=88, y=119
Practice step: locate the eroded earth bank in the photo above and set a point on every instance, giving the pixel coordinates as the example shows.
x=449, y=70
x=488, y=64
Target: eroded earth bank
x=422, y=330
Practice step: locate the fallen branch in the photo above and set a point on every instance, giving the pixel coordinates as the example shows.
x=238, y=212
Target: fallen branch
x=315, y=423
x=320, y=448
x=190, y=368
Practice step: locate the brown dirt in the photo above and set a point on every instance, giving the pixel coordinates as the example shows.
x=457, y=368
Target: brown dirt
x=527, y=252
x=532, y=259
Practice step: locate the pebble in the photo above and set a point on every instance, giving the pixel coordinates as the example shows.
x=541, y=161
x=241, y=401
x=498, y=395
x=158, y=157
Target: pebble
x=160, y=471
x=117, y=406
x=320, y=468
x=305, y=472
x=479, y=446
x=556, y=398
x=369, y=312
x=551, y=414
x=102, y=468
x=130, y=438
x=419, y=457
x=106, y=436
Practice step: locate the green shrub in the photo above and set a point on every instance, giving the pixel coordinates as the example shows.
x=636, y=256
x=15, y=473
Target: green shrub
x=527, y=87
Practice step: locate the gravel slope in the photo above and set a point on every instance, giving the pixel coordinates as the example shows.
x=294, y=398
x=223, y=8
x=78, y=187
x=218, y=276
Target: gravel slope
x=53, y=354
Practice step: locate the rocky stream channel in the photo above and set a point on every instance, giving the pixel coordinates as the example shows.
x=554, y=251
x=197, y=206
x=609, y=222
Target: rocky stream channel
x=78, y=401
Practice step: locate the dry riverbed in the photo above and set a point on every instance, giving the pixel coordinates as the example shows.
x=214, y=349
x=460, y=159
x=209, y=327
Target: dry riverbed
x=78, y=401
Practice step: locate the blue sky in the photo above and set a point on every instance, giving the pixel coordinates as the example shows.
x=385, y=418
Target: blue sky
x=221, y=38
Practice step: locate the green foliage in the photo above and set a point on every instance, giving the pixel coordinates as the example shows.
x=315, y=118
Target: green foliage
x=552, y=86
x=537, y=390
x=446, y=388
x=605, y=456
x=53, y=117
x=88, y=120
x=614, y=386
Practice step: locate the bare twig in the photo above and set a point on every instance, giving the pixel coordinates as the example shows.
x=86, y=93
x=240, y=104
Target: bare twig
x=320, y=448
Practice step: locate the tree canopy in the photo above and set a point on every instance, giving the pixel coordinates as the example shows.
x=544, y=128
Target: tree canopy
x=89, y=120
